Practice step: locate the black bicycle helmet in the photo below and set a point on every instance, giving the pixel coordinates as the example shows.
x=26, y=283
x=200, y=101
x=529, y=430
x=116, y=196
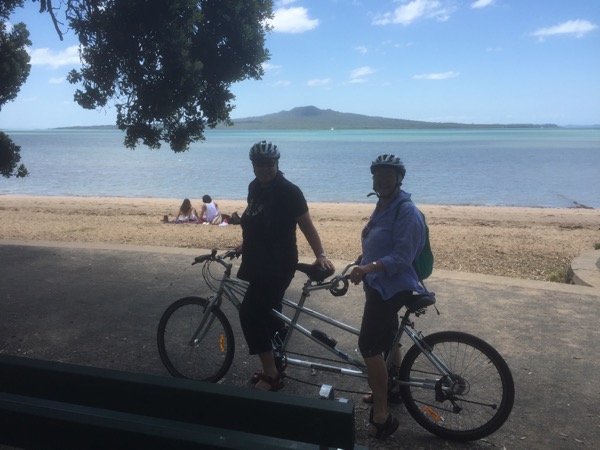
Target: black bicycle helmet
x=391, y=161
x=264, y=150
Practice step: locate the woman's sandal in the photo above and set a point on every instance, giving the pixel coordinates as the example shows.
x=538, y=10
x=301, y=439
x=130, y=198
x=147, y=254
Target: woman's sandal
x=383, y=430
x=394, y=398
x=275, y=383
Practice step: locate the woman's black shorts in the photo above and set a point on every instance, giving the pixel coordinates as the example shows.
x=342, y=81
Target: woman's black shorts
x=380, y=321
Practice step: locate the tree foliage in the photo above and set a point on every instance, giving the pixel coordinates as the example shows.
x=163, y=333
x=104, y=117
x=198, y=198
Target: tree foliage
x=166, y=65
x=14, y=70
x=14, y=61
x=9, y=158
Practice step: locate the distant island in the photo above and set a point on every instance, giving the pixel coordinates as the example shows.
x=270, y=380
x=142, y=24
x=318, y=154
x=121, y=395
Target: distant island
x=313, y=118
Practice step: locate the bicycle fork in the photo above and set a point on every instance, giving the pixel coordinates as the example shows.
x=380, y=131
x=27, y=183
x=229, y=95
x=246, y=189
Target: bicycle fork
x=206, y=322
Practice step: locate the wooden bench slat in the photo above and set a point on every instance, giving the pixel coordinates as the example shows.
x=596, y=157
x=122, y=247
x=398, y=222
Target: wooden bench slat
x=278, y=415
x=40, y=423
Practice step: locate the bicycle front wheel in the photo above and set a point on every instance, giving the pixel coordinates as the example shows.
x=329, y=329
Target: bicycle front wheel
x=189, y=352
x=469, y=404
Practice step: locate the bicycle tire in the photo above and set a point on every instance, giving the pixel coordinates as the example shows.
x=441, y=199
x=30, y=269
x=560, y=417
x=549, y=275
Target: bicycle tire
x=208, y=359
x=484, y=393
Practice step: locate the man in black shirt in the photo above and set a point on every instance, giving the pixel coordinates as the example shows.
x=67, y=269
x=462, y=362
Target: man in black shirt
x=270, y=254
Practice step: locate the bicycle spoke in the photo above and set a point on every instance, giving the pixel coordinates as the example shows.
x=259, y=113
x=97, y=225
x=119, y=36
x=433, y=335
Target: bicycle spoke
x=206, y=357
x=470, y=403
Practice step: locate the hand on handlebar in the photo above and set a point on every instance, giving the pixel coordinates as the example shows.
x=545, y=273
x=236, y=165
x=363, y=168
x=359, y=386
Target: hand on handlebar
x=234, y=253
x=324, y=262
x=238, y=251
x=358, y=272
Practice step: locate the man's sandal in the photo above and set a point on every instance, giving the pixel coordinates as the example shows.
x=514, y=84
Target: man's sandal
x=394, y=398
x=275, y=383
x=386, y=429
x=256, y=377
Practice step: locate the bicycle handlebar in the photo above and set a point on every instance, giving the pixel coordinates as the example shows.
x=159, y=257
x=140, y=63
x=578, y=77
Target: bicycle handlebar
x=338, y=285
x=214, y=257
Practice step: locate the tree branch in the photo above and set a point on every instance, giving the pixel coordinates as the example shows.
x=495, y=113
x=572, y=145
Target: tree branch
x=46, y=5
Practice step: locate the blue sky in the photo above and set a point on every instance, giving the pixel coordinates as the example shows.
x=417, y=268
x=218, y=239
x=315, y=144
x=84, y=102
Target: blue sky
x=467, y=61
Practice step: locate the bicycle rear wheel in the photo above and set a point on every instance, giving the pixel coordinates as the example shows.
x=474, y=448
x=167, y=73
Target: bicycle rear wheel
x=208, y=357
x=471, y=404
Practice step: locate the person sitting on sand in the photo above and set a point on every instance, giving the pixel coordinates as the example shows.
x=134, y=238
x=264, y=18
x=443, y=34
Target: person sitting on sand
x=187, y=213
x=209, y=212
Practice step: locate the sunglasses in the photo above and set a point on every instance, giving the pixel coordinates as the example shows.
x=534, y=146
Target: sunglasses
x=264, y=163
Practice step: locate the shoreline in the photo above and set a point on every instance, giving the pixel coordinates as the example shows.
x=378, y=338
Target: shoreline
x=577, y=205
x=535, y=243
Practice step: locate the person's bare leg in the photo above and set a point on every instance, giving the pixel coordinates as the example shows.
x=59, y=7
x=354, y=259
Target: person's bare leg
x=269, y=368
x=378, y=381
x=396, y=360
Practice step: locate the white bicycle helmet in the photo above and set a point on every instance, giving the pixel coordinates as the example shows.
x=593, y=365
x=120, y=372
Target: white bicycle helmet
x=391, y=161
x=264, y=150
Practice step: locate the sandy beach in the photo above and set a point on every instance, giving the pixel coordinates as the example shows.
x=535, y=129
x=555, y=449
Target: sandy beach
x=529, y=243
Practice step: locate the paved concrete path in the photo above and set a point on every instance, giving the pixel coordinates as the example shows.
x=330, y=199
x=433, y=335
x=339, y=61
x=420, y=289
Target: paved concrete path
x=100, y=306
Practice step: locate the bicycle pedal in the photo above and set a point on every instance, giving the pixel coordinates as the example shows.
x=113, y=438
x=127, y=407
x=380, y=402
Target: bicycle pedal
x=326, y=392
x=327, y=340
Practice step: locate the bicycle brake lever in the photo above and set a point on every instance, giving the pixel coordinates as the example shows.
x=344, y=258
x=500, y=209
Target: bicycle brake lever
x=200, y=259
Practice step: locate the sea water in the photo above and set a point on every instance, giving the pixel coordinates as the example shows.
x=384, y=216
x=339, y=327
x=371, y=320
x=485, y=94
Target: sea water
x=499, y=167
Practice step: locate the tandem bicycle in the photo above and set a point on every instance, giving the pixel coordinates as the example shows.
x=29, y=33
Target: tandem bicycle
x=454, y=384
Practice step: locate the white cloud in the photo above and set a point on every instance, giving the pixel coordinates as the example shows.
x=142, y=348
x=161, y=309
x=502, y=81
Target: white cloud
x=361, y=72
x=361, y=49
x=53, y=58
x=268, y=67
x=292, y=20
x=56, y=80
x=318, y=82
x=481, y=3
x=359, y=75
x=281, y=84
x=436, y=76
x=577, y=27
x=414, y=10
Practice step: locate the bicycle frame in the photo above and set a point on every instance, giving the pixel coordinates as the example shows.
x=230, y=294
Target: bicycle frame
x=234, y=289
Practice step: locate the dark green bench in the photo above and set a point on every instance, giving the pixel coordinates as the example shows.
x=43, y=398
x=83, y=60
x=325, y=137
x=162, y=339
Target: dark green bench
x=45, y=404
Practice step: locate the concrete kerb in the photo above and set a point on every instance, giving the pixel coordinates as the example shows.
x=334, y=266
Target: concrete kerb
x=585, y=269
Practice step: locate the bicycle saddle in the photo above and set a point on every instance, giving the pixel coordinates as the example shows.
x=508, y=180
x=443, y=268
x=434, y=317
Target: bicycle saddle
x=314, y=271
x=420, y=301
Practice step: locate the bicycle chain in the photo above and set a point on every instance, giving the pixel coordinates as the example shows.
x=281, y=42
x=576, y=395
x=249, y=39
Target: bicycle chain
x=348, y=391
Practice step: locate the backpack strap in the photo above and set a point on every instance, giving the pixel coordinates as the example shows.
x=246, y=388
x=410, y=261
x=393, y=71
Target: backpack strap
x=404, y=200
x=426, y=246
